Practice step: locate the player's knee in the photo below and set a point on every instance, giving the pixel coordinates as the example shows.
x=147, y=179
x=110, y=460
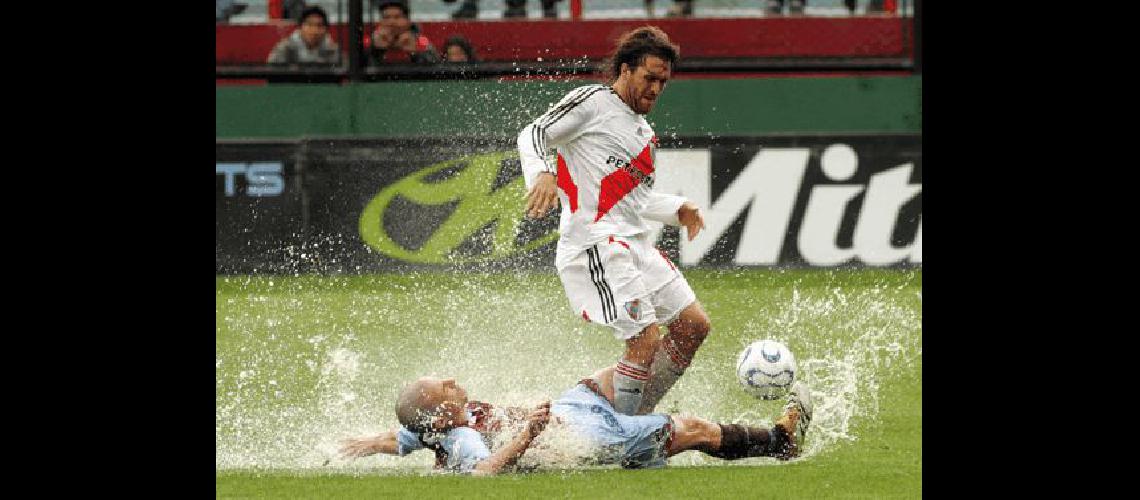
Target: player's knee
x=700, y=328
x=694, y=327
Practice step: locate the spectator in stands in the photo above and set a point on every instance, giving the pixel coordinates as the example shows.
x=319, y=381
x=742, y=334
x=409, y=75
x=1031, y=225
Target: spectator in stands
x=310, y=43
x=459, y=49
x=680, y=8
x=291, y=9
x=776, y=7
x=878, y=7
x=225, y=9
x=469, y=9
x=397, y=39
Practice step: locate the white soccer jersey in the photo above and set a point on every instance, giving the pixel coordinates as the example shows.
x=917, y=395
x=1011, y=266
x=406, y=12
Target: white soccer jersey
x=605, y=169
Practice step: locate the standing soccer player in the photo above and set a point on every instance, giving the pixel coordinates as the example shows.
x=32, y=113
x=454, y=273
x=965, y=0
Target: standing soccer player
x=604, y=181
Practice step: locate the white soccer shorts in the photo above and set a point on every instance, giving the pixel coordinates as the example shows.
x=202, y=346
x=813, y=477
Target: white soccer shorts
x=627, y=284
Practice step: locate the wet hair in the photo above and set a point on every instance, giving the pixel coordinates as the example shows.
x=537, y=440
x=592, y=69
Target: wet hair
x=463, y=43
x=313, y=10
x=634, y=46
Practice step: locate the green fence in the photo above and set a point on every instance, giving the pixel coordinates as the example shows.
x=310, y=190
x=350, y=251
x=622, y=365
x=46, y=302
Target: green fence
x=500, y=109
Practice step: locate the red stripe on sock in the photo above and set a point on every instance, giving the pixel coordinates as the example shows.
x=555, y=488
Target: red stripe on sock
x=631, y=372
x=641, y=379
x=622, y=364
x=675, y=355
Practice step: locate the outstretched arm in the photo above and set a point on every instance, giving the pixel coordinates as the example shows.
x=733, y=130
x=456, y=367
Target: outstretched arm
x=385, y=443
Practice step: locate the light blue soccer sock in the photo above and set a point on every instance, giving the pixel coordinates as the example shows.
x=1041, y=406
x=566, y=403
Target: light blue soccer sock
x=629, y=386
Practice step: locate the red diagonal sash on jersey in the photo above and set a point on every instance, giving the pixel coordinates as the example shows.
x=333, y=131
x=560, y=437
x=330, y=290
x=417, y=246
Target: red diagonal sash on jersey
x=566, y=184
x=619, y=183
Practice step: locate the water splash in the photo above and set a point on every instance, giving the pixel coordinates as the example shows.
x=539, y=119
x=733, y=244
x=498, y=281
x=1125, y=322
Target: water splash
x=308, y=362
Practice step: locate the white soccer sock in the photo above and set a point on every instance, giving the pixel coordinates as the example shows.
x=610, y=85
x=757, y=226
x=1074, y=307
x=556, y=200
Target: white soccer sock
x=629, y=386
x=668, y=366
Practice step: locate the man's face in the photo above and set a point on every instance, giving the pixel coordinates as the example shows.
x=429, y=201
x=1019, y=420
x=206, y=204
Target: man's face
x=313, y=30
x=449, y=401
x=394, y=19
x=455, y=53
x=646, y=83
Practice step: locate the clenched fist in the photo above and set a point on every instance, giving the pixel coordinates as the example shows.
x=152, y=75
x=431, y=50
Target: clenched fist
x=690, y=216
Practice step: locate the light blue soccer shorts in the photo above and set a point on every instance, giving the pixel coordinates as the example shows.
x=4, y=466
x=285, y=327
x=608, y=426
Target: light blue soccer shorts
x=634, y=442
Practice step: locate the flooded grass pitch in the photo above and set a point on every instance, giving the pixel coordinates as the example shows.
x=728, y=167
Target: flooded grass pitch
x=303, y=362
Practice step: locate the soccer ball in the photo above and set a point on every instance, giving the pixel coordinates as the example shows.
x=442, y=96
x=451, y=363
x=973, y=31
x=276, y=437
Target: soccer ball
x=766, y=369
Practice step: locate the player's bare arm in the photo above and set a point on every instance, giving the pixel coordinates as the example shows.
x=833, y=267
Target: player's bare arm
x=385, y=443
x=507, y=455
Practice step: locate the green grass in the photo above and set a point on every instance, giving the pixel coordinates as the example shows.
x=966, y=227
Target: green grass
x=304, y=361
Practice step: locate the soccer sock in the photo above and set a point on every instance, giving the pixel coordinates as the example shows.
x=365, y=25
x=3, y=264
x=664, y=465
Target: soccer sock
x=738, y=441
x=668, y=366
x=629, y=386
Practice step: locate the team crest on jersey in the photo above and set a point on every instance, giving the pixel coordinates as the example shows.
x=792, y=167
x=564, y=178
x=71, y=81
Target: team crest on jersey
x=633, y=307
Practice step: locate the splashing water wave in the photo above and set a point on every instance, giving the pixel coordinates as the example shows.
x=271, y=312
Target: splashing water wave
x=292, y=382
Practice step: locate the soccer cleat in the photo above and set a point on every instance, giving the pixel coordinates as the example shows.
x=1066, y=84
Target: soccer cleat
x=796, y=419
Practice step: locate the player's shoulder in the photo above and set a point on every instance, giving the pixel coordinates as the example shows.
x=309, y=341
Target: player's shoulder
x=463, y=432
x=591, y=86
x=465, y=438
x=587, y=92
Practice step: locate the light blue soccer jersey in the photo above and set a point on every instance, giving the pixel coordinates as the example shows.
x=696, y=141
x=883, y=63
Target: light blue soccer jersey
x=634, y=442
x=407, y=442
x=464, y=446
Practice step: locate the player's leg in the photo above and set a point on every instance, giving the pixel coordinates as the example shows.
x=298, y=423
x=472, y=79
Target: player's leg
x=730, y=441
x=634, y=320
x=689, y=330
x=686, y=334
x=606, y=286
x=676, y=306
x=632, y=372
x=733, y=441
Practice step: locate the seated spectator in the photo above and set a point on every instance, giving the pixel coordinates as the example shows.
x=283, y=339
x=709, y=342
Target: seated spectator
x=310, y=43
x=776, y=7
x=680, y=8
x=291, y=9
x=469, y=9
x=225, y=9
x=397, y=39
x=459, y=49
x=879, y=7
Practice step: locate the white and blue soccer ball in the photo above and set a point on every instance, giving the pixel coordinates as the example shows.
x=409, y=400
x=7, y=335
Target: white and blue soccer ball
x=766, y=369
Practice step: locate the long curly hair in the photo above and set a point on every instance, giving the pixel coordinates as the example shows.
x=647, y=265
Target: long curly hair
x=632, y=47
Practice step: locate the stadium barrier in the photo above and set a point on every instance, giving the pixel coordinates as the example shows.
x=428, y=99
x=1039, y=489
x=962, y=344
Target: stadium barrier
x=547, y=40
x=465, y=108
x=346, y=205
